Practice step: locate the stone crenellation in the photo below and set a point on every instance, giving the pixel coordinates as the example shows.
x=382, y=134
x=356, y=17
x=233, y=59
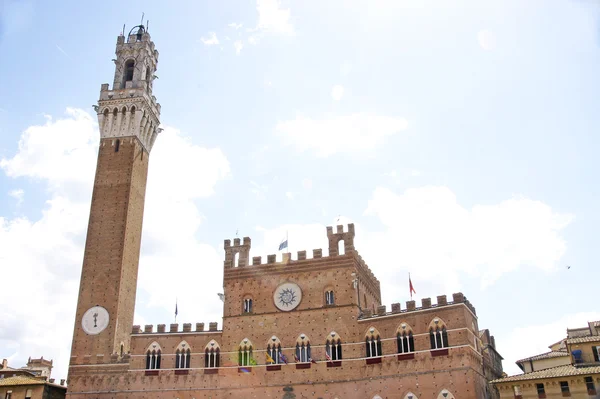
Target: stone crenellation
x=411, y=306
x=173, y=328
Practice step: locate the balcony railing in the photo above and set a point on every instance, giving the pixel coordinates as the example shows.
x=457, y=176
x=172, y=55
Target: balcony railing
x=583, y=360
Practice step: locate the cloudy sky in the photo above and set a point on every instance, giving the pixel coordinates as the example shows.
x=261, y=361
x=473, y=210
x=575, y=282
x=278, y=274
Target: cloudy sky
x=457, y=136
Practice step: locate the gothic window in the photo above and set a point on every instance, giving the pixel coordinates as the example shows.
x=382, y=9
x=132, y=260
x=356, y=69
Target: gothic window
x=128, y=72
x=373, y=343
x=153, y=355
x=248, y=305
x=333, y=347
x=183, y=356
x=148, y=78
x=274, y=350
x=445, y=394
x=404, y=339
x=329, y=298
x=437, y=334
x=410, y=395
x=245, y=353
x=303, y=349
x=212, y=355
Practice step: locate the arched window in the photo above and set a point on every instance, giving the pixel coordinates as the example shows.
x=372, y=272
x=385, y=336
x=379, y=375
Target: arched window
x=404, y=339
x=153, y=356
x=274, y=350
x=373, y=343
x=128, y=71
x=333, y=347
x=445, y=394
x=212, y=355
x=341, y=247
x=437, y=334
x=329, y=298
x=303, y=354
x=148, y=78
x=410, y=395
x=183, y=356
x=248, y=305
x=245, y=353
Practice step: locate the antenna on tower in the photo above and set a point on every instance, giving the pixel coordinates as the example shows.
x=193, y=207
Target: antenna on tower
x=147, y=25
x=142, y=20
x=123, y=31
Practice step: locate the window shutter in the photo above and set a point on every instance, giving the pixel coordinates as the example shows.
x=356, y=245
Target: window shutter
x=595, y=350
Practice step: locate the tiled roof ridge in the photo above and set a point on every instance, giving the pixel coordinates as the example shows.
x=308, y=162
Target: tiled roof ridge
x=545, y=355
x=552, y=372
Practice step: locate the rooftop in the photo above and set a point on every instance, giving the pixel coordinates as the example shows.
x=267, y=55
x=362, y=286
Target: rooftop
x=20, y=380
x=546, y=355
x=554, y=372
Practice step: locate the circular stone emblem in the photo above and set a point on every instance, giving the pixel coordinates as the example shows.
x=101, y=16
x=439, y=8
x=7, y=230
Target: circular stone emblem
x=287, y=296
x=95, y=320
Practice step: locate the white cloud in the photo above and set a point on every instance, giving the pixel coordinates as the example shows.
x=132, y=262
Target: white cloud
x=211, y=40
x=337, y=92
x=235, y=26
x=17, y=194
x=272, y=18
x=62, y=154
x=307, y=183
x=532, y=340
x=486, y=39
x=355, y=133
x=238, y=45
x=441, y=238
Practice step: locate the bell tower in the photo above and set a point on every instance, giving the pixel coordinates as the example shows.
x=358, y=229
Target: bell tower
x=128, y=119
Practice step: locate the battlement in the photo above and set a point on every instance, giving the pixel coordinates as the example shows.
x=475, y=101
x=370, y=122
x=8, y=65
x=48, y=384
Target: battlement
x=411, y=306
x=174, y=328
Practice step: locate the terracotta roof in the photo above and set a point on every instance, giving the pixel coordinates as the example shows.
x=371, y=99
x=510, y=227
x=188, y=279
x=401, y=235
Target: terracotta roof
x=546, y=355
x=578, y=340
x=20, y=380
x=560, y=371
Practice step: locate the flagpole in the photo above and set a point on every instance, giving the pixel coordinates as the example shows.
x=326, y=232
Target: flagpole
x=410, y=285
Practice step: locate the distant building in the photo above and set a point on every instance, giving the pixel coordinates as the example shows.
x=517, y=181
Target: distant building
x=570, y=369
x=30, y=382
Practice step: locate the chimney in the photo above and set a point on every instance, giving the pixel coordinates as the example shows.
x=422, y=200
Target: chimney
x=4, y=363
x=51, y=380
x=62, y=382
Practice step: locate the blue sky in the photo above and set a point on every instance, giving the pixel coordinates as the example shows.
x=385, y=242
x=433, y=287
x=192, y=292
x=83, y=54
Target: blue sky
x=457, y=137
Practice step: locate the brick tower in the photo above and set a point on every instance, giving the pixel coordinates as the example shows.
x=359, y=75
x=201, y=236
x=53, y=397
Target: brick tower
x=128, y=118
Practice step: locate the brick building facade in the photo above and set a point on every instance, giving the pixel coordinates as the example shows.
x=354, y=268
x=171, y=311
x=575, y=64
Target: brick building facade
x=309, y=327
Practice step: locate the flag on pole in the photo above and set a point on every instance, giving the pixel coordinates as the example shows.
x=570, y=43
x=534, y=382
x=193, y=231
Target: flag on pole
x=327, y=356
x=282, y=358
x=269, y=358
x=296, y=358
x=284, y=244
x=175, y=310
x=312, y=360
x=410, y=286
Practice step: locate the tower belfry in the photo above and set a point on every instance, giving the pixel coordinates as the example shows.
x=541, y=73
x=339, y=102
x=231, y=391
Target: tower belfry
x=128, y=118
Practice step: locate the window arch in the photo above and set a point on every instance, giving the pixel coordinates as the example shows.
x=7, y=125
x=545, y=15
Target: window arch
x=333, y=347
x=247, y=305
x=128, y=71
x=410, y=395
x=245, y=353
x=274, y=350
x=329, y=297
x=437, y=334
x=404, y=339
x=373, y=343
x=303, y=354
x=183, y=356
x=212, y=355
x=445, y=394
x=153, y=355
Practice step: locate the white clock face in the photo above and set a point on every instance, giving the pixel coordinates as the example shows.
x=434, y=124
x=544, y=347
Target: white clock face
x=287, y=296
x=95, y=320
